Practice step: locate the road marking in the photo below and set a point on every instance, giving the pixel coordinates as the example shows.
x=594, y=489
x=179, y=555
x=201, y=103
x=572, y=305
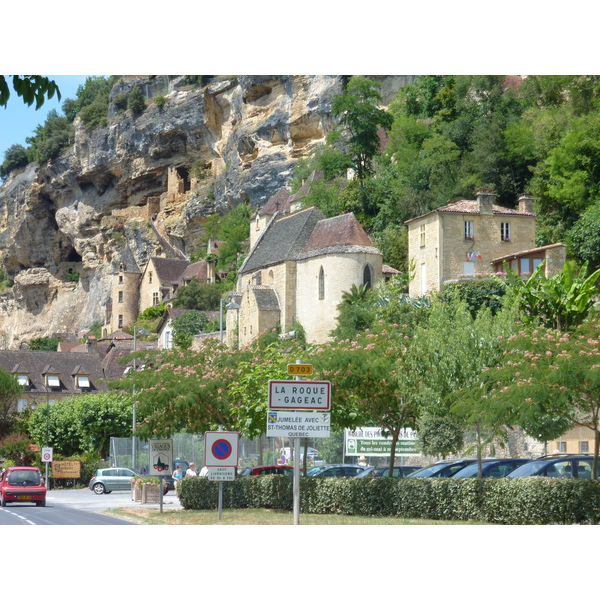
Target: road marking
x=10, y=512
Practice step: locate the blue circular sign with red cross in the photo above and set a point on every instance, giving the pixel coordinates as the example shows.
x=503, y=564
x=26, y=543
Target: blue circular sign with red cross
x=221, y=448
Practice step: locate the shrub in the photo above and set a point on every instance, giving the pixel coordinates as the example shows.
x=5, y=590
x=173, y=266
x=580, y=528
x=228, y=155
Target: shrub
x=14, y=158
x=136, y=101
x=160, y=102
x=527, y=501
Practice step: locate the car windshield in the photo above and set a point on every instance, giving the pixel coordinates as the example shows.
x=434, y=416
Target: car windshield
x=528, y=469
x=314, y=471
x=429, y=471
x=24, y=478
x=468, y=471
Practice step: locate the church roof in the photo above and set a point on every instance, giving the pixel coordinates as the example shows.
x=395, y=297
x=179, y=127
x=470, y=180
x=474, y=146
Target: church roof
x=266, y=298
x=343, y=230
x=280, y=202
x=168, y=269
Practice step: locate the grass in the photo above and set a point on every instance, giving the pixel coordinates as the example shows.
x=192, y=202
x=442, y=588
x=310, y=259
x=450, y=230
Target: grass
x=153, y=516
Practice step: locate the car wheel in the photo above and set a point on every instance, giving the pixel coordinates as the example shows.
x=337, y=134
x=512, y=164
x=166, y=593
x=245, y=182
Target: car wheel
x=41, y=503
x=3, y=501
x=98, y=488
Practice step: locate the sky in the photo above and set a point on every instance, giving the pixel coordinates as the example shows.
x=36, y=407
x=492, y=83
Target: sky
x=18, y=121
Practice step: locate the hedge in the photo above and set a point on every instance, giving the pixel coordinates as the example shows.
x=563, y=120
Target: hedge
x=522, y=501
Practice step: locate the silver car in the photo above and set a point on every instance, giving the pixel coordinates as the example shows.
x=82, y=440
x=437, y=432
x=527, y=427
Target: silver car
x=106, y=481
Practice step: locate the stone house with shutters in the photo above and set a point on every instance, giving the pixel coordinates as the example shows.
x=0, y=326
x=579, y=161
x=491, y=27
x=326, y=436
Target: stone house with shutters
x=298, y=267
x=475, y=238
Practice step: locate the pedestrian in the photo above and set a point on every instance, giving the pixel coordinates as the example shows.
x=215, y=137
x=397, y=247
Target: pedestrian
x=177, y=474
x=362, y=461
x=191, y=472
x=204, y=471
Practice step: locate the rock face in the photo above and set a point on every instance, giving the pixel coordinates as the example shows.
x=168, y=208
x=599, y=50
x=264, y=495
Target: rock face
x=124, y=189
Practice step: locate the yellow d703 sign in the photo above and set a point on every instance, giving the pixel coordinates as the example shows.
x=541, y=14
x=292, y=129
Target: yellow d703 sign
x=300, y=369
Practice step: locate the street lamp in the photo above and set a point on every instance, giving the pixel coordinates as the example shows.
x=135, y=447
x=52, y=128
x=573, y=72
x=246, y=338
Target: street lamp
x=233, y=306
x=143, y=332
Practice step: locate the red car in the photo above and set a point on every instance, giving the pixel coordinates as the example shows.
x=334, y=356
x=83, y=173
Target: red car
x=268, y=470
x=22, y=484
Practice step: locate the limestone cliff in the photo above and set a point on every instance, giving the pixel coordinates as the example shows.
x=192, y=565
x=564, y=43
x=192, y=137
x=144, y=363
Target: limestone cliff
x=124, y=189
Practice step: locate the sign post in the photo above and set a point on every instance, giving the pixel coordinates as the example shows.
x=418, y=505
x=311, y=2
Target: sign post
x=161, y=460
x=221, y=458
x=47, y=458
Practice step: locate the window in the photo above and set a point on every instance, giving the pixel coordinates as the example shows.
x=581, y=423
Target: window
x=505, y=232
x=150, y=277
x=422, y=235
x=53, y=381
x=562, y=447
x=155, y=299
x=469, y=235
x=120, y=279
x=21, y=405
x=321, y=284
x=367, y=276
x=23, y=380
x=83, y=381
x=120, y=296
x=584, y=447
x=120, y=321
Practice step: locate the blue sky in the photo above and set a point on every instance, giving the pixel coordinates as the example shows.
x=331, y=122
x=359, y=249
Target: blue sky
x=18, y=121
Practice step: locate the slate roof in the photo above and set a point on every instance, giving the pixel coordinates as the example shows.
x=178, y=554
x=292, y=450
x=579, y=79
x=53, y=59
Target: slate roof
x=266, y=298
x=471, y=207
x=197, y=270
x=66, y=364
x=168, y=270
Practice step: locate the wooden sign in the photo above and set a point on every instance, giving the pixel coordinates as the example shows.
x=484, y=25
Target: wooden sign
x=66, y=469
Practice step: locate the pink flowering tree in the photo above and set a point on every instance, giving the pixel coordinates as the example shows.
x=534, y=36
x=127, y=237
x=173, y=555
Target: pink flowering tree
x=372, y=383
x=550, y=381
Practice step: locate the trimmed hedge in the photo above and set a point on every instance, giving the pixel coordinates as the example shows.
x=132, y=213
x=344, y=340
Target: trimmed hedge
x=522, y=501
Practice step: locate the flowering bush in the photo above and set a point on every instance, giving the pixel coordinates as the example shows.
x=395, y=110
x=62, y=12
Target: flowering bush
x=139, y=480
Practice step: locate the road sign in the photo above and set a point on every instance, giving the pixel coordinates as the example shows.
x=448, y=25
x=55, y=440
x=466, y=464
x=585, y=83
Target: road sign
x=297, y=369
x=221, y=448
x=370, y=441
x=161, y=457
x=221, y=473
x=297, y=424
x=299, y=395
x=46, y=455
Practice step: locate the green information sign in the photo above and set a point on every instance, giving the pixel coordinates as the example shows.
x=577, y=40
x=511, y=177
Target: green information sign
x=369, y=441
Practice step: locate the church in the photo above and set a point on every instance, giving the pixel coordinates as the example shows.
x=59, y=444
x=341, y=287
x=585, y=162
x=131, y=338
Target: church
x=299, y=265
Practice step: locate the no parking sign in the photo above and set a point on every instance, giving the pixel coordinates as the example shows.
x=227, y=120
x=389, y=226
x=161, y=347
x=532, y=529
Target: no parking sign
x=221, y=448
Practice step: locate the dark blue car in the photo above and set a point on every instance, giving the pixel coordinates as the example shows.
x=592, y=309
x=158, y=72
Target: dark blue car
x=492, y=467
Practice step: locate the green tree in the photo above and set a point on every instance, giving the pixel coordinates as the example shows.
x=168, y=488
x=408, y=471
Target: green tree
x=9, y=393
x=136, y=101
x=360, y=118
x=186, y=326
x=51, y=138
x=583, y=240
x=14, y=158
x=198, y=296
x=44, y=343
x=31, y=88
x=355, y=312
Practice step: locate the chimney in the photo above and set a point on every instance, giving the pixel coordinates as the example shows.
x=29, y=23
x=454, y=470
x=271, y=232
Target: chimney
x=525, y=203
x=485, y=201
x=91, y=344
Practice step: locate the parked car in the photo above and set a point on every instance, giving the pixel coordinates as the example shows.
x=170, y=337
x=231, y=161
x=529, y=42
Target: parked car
x=573, y=466
x=336, y=471
x=491, y=467
x=443, y=468
x=22, y=484
x=399, y=471
x=106, y=481
x=268, y=470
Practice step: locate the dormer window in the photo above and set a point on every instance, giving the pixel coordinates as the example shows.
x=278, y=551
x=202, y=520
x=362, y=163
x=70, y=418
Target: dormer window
x=23, y=380
x=83, y=381
x=53, y=381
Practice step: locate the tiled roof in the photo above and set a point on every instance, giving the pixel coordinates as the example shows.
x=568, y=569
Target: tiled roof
x=387, y=270
x=526, y=252
x=197, y=270
x=305, y=189
x=471, y=207
x=343, y=230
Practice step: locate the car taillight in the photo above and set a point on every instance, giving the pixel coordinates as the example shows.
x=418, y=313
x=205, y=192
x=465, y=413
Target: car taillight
x=93, y=479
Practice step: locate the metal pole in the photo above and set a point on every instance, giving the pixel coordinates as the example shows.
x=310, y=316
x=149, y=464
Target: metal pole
x=297, y=470
x=133, y=457
x=47, y=420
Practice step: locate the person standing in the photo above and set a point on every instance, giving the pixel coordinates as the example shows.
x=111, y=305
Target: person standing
x=178, y=474
x=191, y=472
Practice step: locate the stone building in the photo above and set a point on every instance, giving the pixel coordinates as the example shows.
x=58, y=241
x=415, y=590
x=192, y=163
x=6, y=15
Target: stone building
x=297, y=270
x=475, y=237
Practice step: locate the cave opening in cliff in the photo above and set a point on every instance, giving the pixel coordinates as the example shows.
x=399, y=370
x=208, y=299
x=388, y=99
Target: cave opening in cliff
x=73, y=256
x=184, y=177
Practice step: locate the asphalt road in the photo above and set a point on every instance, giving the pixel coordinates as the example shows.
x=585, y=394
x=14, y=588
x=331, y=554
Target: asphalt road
x=76, y=507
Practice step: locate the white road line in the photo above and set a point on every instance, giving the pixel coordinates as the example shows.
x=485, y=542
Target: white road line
x=10, y=512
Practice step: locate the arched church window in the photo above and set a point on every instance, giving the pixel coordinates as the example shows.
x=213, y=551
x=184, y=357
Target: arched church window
x=367, y=277
x=321, y=284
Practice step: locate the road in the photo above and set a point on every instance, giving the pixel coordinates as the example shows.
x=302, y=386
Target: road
x=76, y=507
